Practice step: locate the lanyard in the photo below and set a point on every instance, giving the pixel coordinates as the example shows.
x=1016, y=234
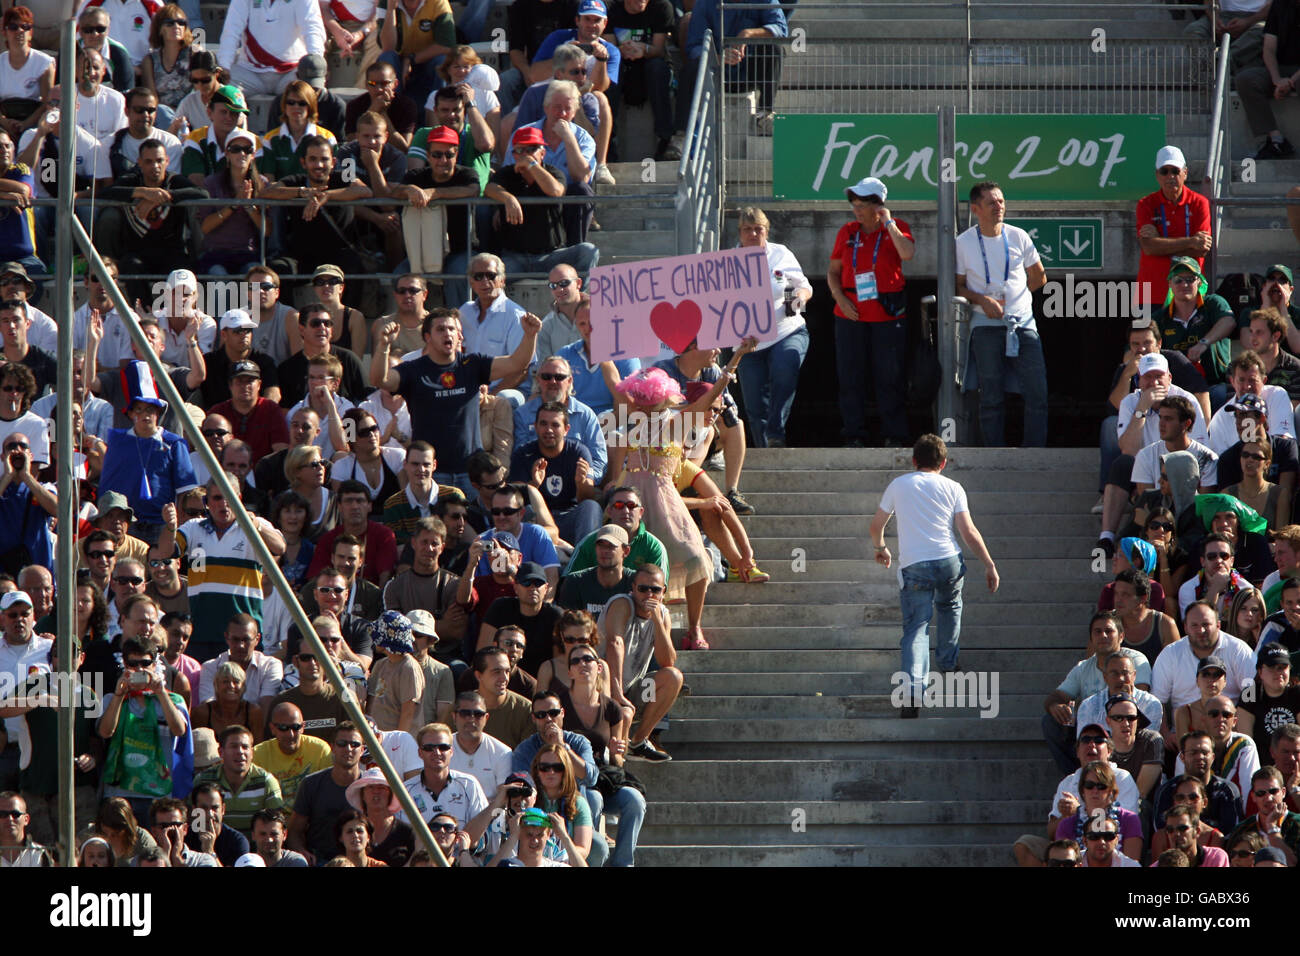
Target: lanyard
x=1187, y=221
x=1006, y=246
x=874, y=252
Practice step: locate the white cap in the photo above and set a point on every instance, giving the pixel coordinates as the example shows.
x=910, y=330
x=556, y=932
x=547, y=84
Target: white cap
x=250, y=859
x=182, y=277
x=871, y=186
x=1152, y=362
x=240, y=133
x=237, y=319
x=1170, y=156
x=14, y=597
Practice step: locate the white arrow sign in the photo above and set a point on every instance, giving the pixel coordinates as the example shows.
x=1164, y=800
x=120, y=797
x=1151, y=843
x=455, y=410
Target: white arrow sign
x=1076, y=247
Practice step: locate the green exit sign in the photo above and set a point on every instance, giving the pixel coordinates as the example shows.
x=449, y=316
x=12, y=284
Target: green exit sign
x=1065, y=243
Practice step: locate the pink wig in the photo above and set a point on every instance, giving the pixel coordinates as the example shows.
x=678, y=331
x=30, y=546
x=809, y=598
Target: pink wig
x=650, y=386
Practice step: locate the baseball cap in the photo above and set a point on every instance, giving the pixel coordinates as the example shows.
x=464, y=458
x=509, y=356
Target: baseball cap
x=1284, y=270
x=182, y=278
x=1184, y=264
x=1170, y=156
x=530, y=572
x=592, y=6
x=1247, y=403
x=1152, y=362
x=14, y=597
x=244, y=367
x=532, y=817
x=1098, y=728
x=612, y=532
x=1270, y=854
x=232, y=97
x=312, y=69
x=250, y=859
x=505, y=539
x=328, y=269
x=1213, y=662
x=108, y=500
x=444, y=134
x=528, y=136
x=1115, y=699
x=870, y=186
x=521, y=776
x=1274, y=654
x=241, y=133
x=237, y=319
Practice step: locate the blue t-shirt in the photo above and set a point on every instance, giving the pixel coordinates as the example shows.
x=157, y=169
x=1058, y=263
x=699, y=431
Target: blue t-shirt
x=584, y=427
x=23, y=521
x=150, y=472
x=558, y=157
x=588, y=383
x=559, y=489
x=547, y=50
x=18, y=226
x=443, y=400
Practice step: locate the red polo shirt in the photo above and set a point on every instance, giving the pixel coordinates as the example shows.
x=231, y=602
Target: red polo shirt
x=1187, y=217
x=888, y=266
x=261, y=428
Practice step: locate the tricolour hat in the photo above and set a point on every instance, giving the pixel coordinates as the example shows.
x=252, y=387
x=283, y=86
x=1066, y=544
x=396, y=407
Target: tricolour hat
x=870, y=186
x=138, y=385
x=592, y=6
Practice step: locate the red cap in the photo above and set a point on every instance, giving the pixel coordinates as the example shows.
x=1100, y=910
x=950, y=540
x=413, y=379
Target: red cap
x=528, y=136
x=444, y=134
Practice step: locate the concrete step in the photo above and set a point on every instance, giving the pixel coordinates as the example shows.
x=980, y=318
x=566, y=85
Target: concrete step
x=877, y=479
x=840, y=683
x=992, y=854
x=657, y=178
x=885, y=637
x=981, y=502
x=743, y=752
x=899, y=837
x=859, y=812
x=786, y=569
x=849, y=615
x=804, y=661
x=1051, y=547
x=960, y=458
x=648, y=243
x=878, y=730
x=883, y=588
x=813, y=707
x=891, y=779
x=1009, y=525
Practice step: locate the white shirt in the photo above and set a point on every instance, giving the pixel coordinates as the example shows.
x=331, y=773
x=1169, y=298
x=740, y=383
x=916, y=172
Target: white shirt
x=263, y=674
x=96, y=414
x=1146, y=464
x=327, y=449
x=1093, y=709
x=103, y=114
x=111, y=346
x=780, y=259
x=402, y=433
x=17, y=661
x=347, y=467
x=925, y=503
x=91, y=158
x=1151, y=423
x=489, y=765
x=130, y=147
x=128, y=23
x=36, y=429
x=177, y=350
x=462, y=797
x=499, y=333
x=1006, y=276
x=1281, y=419
x=25, y=83
x=1242, y=769
x=1173, y=678
x=1128, y=791
x=402, y=750
x=287, y=30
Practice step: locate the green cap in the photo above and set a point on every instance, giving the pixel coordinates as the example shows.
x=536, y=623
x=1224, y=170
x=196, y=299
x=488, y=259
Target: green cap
x=1184, y=264
x=532, y=817
x=232, y=97
x=1282, y=269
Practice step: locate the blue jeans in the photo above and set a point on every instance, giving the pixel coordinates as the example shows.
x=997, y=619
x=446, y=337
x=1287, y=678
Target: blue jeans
x=460, y=479
x=1109, y=447
x=1061, y=744
x=583, y=257
x=988, y=347
x=768, y=379
x=579, y=521
x=930, y=586
x=472, y=20
x=630, y=807
x=876, y=352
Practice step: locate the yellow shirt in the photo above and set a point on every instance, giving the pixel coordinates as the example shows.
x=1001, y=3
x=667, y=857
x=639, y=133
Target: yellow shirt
x=291, y=769
x=427, y=26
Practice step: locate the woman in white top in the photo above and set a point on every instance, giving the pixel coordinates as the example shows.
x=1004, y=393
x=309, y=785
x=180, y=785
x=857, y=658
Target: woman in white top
x=771, y=375
x=26, y=75
x=392, y=415
x=204, y=77
x=377, y=466
x=305, y=469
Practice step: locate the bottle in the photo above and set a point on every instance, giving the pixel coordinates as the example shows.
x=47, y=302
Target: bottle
x=791, y=303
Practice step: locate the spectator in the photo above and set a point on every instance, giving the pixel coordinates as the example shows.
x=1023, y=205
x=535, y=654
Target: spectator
x=439, y=685
x=569, y=149
x=770, y=378
x=1191, y=321
x=256, y=420
x=1225, y=515
x=1100, y=791
x=447, y=416
x=530, y=23
x=26, y=507
x=512, y=639
x=1276, y=294
x=300, y=113
x=438, y=788
x=1063, y=853
x=109, y=385
x=263, y=672
x=270, y=473
x=246, y=787
x=474, y=752
x=182, y=322
x=561, y=469
x=38, y=148
x=1197, y=756
x=635, y=629
x=1189, y=792
x=348, y=325
x=116, y=824
x=101, y=110
x=441, y=179
x=1266, y=331
x=529, y=610
x=205, y=78
x=1247, y=614
x=641, y=29
x=378, y=162
x=178, y=627
x=233, y=234
x=166, y=68
x=226, y=705
x=227, y=110
x=1005, y=326
x=589, y=590
x=1173, y=223
x=557, y=792
x=1137, y=749
x=1218, y=581
x=123, y=147
x=536, y=545
x=308, y=237
x=1268, y=406
x=414, y=55
x=382, y=97
x=592, y=383
x=427, y=586
x=391, y=841
x=1121, y=679
x=354, y=518
x=745, y=67
x=305, y=469
x=1276, y=79
x=360, y=597
x=508, y=712
x=26, y=74
x=396, y=680
x=262, y=47
x=469, y=106
x=1241, y=851
x=169, y=827
x=1146, y=630
x=290, y=755
x=322, y=796
x=1255, y=461
x=935, y=564
x=558, y=325
x=1235, y=756
x=1279, y=827
x=1182, y=824
x=539, y=236
x=330, y=108
x=1283, y=627
x=411, y=292
x=403, y=509
x=225, y=843
x=95, y=852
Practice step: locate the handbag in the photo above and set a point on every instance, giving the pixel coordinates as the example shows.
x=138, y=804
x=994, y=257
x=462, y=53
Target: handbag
x=613, y=778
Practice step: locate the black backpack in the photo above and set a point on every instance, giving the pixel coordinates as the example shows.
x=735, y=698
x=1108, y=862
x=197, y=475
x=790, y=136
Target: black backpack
x=1241, y=290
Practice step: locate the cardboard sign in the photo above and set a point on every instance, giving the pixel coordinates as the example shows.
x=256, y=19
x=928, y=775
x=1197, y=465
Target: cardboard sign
x=713, y=298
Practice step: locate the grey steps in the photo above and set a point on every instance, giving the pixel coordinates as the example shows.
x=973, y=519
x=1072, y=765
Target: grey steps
x=761, y=683
x=1014, y=525
x=806, y=661
x=810, y=854
x=885, y=637
x=790, y=482
x=981, y=502
x=878, y=729
x=743, y=752
x=861, y=812
x=883, y=588
x=805, y=707
x=985, y=460
x=897, y=838
x=976, y=611
x=775, y=548
x=784, y=569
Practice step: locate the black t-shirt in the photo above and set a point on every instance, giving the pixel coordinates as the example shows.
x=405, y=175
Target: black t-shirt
x=542, y=231
x=1181, y=371
x=1284, y=23
x=1286, y=374
x=658, y=17
x=539, y=630
x=44, y=368
x=230, y=845
x=443, y=400
x=559, y=489
x=1270, y=713
x=292, y=375
x=327, y=230
x=321, y=800
x=457, y=220
x=529, y=22
x=1286, y=458
x=402, y=114
x=165, y=228
x=582, y=590
x=216, y=387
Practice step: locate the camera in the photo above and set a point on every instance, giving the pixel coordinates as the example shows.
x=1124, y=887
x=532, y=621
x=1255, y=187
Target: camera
x=139, y=679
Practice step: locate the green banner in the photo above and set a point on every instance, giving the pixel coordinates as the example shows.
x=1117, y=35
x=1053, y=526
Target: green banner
x=1066, y=243
x=1032, y=156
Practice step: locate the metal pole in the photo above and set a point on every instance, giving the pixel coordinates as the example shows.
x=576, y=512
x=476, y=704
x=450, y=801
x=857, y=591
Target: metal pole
x=970, y=62
x=946, y=264
x=269, y=565
x=65, y=563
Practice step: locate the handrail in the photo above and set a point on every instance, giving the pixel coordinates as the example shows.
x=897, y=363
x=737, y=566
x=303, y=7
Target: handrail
x=699, y=177
x=1214, y=164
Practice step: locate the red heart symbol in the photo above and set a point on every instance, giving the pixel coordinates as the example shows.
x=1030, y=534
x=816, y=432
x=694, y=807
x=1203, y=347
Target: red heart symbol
x=676, y=326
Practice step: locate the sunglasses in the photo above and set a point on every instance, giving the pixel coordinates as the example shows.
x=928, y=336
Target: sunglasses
x=443, y=827
x=1169, y=170
x=302, y=103
x=552, y=376
x=1243, y=854
x=550, y=768
x=1093, y=739
x=267, y=286
x=476, y=714
x=350, y=744
x=326, y=281
x=94, y=30
x=562, y=283
x=216, y=432
x=625, y=505
x=1269, y=792
x=159, y=562
x=1220, y=713
x=481, y=276
x=1107, y=835
x=1094, y=785
x=381, y=84
x=133, y=581
x=582, y=661
x=306, y=657
x=650, y=588
x=1160, y=526
x=102, y=555
x=171, y=22
x=318, y=463
x=1181, y=828
x=1070, y=862
x=19, y=27
x=444, y=154
x=286, y=728
x=201, y=80
x=506, y=511
x=1185, y=280
x=371, y=430
x=244, y=151
x=330, y=589
x=17, y=444
x=147, y=109
x=1126, y=718
x=13, y=814
x=13, y=389
x=430, y=748
x=409, y=290
x=138, y=663
x=553, y=713
x=322, y=323
x=1254, y=456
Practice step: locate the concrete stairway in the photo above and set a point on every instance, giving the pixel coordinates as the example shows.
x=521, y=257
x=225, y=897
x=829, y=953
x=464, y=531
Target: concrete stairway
x=789, y=752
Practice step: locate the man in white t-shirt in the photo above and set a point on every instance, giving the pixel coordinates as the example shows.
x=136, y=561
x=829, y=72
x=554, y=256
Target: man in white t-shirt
x=480, y=755
x=930, y=566
x=101, y=110
x=997, y=269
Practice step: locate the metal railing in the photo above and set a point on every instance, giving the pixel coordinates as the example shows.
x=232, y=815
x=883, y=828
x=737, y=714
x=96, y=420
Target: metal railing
x=699, y=177
x=1220, y=157
x=966, y=55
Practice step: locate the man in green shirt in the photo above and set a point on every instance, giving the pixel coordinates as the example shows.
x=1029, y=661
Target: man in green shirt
x=1192, y=322
x=623, y=507
x=246, y=787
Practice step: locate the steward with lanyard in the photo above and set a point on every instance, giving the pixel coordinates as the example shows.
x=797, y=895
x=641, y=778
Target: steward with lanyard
x=1172, y=221
x=997, y=269
x=865, y=276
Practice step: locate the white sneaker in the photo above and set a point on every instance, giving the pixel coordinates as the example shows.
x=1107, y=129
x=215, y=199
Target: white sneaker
x=603, y=176
x=1099, y=506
